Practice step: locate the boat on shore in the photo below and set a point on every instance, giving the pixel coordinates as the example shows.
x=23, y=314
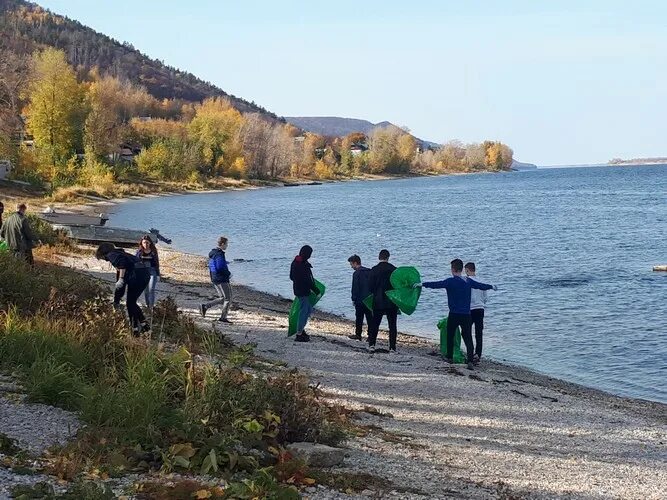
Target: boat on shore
x=73, y=219
x=117, y=235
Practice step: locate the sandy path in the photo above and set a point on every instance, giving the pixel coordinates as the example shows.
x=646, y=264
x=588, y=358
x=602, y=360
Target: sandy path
x=498, y=431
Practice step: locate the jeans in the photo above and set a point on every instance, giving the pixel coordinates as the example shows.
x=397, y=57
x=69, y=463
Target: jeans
x=455, y=320
x=304, y=313
x=224, y=291
x=361, y=311
x=477, y=317
x=149, y=293
x=374, y=326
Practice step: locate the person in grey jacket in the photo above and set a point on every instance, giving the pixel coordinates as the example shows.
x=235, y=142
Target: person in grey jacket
x=360, y=291
x=18, y=234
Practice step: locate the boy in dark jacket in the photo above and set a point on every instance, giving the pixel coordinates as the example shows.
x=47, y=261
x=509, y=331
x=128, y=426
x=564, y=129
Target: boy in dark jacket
x=219, y=270
x=131, y=275
x=378, y=283
x=458, y=300
x=303, y=283
x=360, y=291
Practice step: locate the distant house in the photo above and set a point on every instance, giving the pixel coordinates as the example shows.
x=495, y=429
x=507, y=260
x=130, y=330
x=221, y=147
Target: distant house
x=5, y=168
x=357, y=148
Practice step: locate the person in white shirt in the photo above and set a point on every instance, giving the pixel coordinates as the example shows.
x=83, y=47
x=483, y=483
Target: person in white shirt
x=477, y=302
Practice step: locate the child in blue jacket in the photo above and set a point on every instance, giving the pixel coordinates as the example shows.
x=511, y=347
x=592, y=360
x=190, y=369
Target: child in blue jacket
x=219, y=270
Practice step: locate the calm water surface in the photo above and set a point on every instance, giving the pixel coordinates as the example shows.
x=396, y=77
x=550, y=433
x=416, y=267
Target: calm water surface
x=571, y=249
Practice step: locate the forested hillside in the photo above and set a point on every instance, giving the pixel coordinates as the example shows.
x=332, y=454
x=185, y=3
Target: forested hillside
x=26, y=27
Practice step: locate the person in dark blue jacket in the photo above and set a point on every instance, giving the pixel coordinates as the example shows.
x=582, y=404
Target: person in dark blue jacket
x=360, y=291
x=458, y=299
x=131, y=275
x=218, y=268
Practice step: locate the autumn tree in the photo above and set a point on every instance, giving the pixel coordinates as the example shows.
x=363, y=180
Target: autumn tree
x=13, y=79
x=54, y=108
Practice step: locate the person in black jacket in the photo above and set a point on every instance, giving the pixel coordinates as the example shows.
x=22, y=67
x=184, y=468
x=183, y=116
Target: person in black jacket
x=218, y=268
x=359, y=292
x=303, y=283
x=131, y=275
x=378, y=283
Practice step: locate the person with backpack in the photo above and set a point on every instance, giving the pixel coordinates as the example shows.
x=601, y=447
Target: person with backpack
x=359, y=292
x=218, y=268
x=303, y=283
x=379, y=281
x=132, y=276
x=147, y=253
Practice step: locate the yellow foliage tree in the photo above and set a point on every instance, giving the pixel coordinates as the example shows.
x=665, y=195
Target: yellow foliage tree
x=54, y=109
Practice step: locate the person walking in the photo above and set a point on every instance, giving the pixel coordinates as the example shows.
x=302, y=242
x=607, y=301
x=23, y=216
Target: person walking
x=303, y=282
x=218, y=268
x=458, y=300
x=132, y=275
x=478, y=300
x=148, y=254
x=18, y=234
x=360, y=291
x=378, y=283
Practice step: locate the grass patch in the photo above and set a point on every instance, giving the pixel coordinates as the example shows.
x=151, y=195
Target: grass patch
x=153, y=406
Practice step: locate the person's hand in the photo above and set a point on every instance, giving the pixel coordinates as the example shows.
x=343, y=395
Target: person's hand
x=495, y=288
x=417, y=285
x=120, y=283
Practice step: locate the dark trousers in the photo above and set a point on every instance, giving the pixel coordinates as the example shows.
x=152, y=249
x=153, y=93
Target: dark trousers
x=374, y=326
x=477, y=317
x=135, y=287
x=361, y=312
x=454, y=320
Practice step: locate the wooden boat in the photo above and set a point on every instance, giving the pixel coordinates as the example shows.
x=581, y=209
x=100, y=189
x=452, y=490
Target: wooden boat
x=117, y=235
x=73, y=219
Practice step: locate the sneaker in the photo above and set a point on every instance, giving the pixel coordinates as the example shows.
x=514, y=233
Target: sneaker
x=392, y=351
x=475, y=359
x=136, y=332
x=145, y=327
x=354, y=337
x=449, y=361
x=371, y=348
x=202, y=310
x=301, y=338
x=470, y=366
x=225, y=320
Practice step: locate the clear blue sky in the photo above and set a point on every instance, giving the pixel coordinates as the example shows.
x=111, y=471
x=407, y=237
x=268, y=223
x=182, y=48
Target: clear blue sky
x=561, y=82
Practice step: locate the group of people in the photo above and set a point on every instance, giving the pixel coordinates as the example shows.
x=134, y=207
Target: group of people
x=466, y=299
x=139, y=273
x=17, y=233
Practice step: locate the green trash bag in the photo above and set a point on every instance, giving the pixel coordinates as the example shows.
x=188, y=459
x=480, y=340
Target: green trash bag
x=3, y=246
x=368, y=302
x=313, y=298
x=403, y=295
x=458, y=356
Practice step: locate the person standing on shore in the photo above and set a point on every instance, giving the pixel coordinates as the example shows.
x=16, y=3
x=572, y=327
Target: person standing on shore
x=478, y=300
x=2, y=211
x=303, y=282
x=16, y=231
x=359, y=292
x=378, y=283
x=218, y=268
x=132, y=275
x=458, y=300
x=147, y=253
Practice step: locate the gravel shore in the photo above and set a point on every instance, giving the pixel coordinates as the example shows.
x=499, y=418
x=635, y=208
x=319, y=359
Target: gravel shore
x=437, y=431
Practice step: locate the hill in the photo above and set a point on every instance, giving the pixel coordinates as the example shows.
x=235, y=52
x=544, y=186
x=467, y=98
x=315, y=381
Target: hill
x=335, y=126
x=518, y=165
x=26, y=26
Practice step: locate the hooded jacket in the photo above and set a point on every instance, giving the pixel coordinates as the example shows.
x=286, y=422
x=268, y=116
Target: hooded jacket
x=378, y=283
x=301, y=275
x=218, y=266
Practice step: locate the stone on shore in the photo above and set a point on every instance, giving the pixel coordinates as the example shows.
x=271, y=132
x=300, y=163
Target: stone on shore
x=317, y=455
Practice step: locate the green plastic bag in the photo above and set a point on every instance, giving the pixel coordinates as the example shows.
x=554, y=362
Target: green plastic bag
x=403, y=295
x=458, y=356
x=3, y=246
x=313, y=298
x=368, y=302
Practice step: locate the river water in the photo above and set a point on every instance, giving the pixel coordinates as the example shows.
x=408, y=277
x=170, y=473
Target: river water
x=571, y=249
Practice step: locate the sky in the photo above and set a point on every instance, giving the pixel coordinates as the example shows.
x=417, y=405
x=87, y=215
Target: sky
x=567, y=82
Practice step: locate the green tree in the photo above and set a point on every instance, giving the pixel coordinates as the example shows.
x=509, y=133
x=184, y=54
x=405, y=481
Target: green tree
x=54, y=109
